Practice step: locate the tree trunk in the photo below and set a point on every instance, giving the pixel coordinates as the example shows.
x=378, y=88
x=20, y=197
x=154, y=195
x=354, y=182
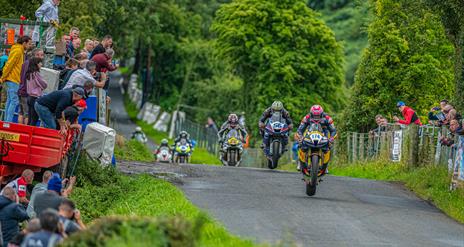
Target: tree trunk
x=147, y=82
x=138, y=52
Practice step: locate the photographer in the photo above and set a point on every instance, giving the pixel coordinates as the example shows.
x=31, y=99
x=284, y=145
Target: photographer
x=70, y=217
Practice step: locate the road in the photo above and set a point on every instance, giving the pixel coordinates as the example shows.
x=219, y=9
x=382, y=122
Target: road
x=268, y=206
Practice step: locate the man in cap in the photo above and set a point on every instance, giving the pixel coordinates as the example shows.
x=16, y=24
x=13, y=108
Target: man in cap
x=50, y=107
x=410, y=116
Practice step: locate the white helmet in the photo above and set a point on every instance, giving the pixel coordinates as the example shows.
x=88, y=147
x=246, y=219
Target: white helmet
x=138, y=128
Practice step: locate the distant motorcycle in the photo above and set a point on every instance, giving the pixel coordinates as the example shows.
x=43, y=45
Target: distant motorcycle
x=182, y=152
x=311, y=155
x=277, y=129
x=232, y=149
x=164, y=155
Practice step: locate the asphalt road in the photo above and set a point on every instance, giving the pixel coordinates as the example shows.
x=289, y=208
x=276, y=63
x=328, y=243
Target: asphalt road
x=120, y=121
x=268, y=206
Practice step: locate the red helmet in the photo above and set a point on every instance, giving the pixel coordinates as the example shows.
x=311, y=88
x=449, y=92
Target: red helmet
x=316, y=111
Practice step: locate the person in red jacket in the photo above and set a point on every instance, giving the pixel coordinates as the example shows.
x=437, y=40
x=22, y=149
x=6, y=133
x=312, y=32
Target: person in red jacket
x=410, y=116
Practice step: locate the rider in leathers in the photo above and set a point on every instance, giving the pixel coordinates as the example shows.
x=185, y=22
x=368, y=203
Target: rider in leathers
x=317, y=115
x=231, y=123
x=183, y=135
x=277, y=106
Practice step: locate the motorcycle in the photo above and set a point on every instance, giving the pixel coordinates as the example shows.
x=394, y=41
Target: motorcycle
x=232, y=149
x=182, y=152
x=140, y=137
x=277, y=129
x=312, y=156
x=164, y=155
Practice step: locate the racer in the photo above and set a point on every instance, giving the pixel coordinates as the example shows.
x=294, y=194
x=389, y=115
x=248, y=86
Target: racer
x=317, y=115
x=231, y=123
x=276, y=106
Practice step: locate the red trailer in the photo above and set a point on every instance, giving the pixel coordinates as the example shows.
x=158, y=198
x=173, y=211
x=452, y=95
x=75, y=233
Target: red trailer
x=27, y=147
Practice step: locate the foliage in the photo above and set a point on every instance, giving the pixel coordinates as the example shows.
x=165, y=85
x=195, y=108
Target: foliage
x=135, y=231
x=348, y=19
x=282, y=52
x=429, y=182
x=407, y=59
x=452, y=16
x=105, y=191
x=133, y=150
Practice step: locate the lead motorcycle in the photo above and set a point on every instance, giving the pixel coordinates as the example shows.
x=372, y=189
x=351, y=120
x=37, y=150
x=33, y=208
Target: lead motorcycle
x=232, y=149
x=277, y=129
x=182, y=152
x=311, y=155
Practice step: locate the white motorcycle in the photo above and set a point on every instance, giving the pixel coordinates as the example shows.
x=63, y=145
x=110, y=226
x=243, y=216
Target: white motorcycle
x=164, y=155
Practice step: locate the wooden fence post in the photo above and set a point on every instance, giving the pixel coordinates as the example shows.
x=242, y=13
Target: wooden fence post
x=413, y=145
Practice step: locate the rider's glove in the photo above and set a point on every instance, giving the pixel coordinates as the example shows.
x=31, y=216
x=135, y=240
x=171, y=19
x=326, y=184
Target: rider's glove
x=261, y=125
x=331, y=140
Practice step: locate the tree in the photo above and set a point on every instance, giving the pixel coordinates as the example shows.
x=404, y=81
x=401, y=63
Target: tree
x=452, y=17
x=407, y=59
x=282, y=52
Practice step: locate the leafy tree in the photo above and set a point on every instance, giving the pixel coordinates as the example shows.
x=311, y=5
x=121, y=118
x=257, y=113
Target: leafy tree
x=407, y=59
x=282, y=52
x=452, y=16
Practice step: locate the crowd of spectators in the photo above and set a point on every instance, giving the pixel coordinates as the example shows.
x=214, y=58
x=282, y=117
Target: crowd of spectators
x=444, y=115
x=49, y=215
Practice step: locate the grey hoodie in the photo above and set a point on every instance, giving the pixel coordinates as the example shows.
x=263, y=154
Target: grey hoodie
x=48, y=11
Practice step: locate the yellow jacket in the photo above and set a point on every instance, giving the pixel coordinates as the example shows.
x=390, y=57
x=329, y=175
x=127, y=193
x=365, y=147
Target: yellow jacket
x=12, y=68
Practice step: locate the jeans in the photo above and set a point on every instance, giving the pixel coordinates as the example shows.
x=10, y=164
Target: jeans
x=12, y=100
x=45, y=116
x=33, y=117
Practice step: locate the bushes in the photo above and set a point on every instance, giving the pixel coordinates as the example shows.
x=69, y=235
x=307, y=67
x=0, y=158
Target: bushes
x=135, y=231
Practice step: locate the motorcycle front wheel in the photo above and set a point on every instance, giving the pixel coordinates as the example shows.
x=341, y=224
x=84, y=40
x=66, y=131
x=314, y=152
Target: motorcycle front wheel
x=312, y=184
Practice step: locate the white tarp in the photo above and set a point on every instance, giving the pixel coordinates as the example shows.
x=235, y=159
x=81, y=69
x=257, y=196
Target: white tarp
x=52, y=77
x=99, y=142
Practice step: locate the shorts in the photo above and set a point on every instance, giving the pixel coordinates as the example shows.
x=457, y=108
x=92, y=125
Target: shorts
x=23, y=107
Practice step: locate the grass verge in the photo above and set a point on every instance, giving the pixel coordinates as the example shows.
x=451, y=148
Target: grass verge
x=199, y=156
x=132, y=150
x=430, y=182
x=106, y=192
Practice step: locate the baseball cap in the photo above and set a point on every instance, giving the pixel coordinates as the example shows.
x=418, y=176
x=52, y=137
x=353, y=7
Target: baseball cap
x=79, y=91
x=400, y=103
x=81, y=103
x=55, y=183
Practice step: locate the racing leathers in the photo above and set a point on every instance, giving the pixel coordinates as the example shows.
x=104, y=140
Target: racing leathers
x=262, y=123
x=226, y=127
x=162, y=145
x=179, y=138
x=326, y=123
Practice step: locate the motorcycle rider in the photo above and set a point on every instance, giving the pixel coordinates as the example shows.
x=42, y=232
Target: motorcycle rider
x=231, y=123
x=276, y=106
x=183, y=135
x=317, y=115
x=164, y=143
x=139, y=135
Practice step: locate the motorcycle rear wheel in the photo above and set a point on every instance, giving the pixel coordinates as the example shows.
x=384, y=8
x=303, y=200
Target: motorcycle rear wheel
x=312, y=184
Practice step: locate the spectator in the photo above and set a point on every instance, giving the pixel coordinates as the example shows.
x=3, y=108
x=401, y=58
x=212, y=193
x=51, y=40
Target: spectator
x=70, y=217
x=49, y=235
x=35, y=87
x=71, y=114
x=71, y=66
x=211, y=125
x=106, y=43
x=88, y=88
x=47, y=12
x=83, y=75
x=455, y=128
x=88, y=47
x=23, y=116
x=11, y=214
x=51, y=198
x=32, y=226
x=73, y=34
x=38, y=188
x=103, y=61
x=409, y=115
x=382, y=124
x=19, y=185
x=50, y=107
x=12, y=74
x=73, y=46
